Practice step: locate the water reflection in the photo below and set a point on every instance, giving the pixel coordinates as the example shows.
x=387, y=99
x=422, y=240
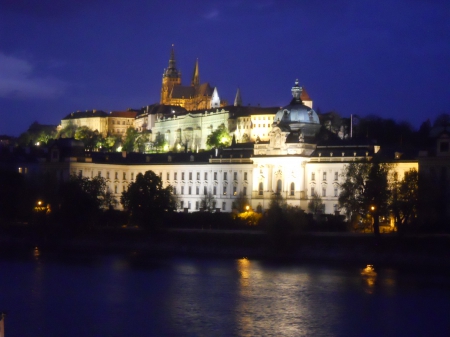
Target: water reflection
x=369, y=276
x=210, y=297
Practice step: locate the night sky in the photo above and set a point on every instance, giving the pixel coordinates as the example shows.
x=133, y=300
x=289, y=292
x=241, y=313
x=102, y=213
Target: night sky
x=389, y=58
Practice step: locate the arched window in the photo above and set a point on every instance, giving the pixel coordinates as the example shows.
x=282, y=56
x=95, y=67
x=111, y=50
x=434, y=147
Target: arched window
x=279, y=186
x=292, y=189
x=261, y=188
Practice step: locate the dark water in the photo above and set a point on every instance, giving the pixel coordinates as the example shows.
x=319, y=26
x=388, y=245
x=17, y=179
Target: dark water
x=52, y=295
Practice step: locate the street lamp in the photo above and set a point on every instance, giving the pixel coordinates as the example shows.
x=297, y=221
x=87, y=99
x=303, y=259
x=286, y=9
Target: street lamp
x=247, y=208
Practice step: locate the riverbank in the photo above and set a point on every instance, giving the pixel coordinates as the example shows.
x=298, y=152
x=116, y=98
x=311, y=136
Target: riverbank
x=390, y=250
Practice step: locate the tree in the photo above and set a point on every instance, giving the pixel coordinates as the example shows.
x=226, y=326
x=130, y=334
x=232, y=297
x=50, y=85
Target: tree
x=109, y=143
x=315, y=205
x=404, y=201
x=365, y=189
x=68, y=131
x=91, y=139
x=208, y=202
x=160, y=143
x=80, y=199
x=219, y=138
x=241, y=202
x=146, y=199
x=129, y=143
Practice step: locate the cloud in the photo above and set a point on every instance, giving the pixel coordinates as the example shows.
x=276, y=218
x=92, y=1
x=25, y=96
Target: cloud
x=17, y=80
x=212, y=15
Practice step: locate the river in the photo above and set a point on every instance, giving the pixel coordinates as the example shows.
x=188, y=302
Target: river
x=49, y=294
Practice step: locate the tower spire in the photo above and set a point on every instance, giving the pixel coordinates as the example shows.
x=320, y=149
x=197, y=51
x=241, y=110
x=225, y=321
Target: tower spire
x=172, y=71
x=296, y=92
x=238, y=99
x=215, y=99
x=196, y=76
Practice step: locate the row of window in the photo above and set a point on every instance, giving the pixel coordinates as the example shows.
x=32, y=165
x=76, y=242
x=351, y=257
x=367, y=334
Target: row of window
x=205, y=176
x=118, y=123
x=175, y=175
x=205, y=190
x=324, y=176
x=324, y=192
x=197, y=205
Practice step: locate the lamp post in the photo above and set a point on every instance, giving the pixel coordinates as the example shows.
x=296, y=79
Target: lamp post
x=376, y=221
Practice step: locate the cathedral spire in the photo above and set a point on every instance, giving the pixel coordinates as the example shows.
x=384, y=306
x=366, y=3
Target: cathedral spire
x=195, y=77
x=172, y=71
x=238, y=99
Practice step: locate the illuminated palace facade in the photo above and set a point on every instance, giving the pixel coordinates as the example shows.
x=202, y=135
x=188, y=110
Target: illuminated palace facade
x=287, y=160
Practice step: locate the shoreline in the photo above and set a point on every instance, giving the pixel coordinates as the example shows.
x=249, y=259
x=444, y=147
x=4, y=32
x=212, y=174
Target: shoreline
x=424, y=252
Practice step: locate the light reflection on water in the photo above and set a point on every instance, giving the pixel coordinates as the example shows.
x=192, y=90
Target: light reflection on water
x=140, y=296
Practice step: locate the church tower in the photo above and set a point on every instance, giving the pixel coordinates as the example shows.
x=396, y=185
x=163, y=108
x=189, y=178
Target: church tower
x=196, y=76
x=171, y=77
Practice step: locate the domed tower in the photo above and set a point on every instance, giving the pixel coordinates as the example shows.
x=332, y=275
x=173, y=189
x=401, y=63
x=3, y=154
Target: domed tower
x=298, y=117
x=171, y=77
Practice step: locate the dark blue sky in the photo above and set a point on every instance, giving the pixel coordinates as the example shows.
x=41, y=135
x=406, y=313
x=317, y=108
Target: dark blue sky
x=389, y=58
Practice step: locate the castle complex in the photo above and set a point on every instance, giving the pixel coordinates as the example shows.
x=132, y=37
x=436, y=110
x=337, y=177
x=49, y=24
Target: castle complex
x=276, y=150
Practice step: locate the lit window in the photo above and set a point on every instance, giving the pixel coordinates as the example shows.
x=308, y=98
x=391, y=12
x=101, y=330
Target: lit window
x=224, y=190
x=234, y=190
